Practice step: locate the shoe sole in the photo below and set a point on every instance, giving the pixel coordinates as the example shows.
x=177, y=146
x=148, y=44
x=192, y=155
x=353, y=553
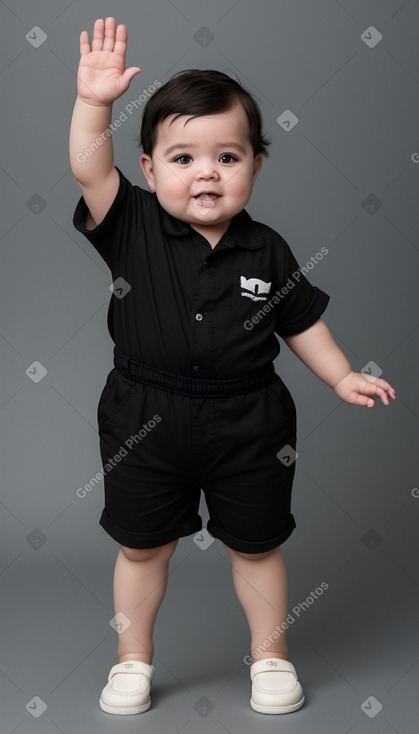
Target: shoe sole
x=261, y=709
x=124, y=711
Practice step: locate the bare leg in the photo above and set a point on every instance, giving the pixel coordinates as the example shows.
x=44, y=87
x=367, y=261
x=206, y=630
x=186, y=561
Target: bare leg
x=140, y=582
x=260, y=581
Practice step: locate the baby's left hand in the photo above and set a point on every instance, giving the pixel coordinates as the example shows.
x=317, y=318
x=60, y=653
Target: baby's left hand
x=360, y=389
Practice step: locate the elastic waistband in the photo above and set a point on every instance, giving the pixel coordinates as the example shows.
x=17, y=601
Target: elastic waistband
x=193, y=385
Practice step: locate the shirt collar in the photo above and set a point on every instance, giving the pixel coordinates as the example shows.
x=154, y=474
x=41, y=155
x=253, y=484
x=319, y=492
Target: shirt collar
x=242, y=231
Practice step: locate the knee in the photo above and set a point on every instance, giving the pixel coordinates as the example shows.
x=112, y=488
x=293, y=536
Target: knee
x=248, y=556
x=162, y=552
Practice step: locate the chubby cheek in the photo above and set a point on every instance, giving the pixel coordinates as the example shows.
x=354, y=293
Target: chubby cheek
x=240, y=187
x=171, y=187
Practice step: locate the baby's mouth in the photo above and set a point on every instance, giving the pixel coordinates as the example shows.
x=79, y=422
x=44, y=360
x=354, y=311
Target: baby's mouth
x=205, y=202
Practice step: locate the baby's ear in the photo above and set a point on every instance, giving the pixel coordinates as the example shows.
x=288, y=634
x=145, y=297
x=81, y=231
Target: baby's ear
x=256, y=167
x=147, y=169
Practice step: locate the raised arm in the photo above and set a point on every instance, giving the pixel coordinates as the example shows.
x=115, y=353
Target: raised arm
x=318, y=350
x=101, y=78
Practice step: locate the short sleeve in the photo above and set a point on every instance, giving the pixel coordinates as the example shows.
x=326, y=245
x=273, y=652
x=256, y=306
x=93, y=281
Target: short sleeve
x=118, y=230
x=300, y=303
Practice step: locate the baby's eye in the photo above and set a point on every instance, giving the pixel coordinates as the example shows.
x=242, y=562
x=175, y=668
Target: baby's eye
x=182, y=162
x=228, y=155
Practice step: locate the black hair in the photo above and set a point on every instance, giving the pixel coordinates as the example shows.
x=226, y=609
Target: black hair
x=197, y=92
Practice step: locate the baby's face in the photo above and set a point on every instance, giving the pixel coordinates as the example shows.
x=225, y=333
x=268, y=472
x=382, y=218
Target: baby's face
x=203, y=171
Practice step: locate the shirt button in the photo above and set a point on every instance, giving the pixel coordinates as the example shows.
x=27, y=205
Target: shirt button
x=195, y=368
x=199, y=316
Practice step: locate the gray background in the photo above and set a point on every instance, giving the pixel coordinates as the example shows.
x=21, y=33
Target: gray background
x=355, y=494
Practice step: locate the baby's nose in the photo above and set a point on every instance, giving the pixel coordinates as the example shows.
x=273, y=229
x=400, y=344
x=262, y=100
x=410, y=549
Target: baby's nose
x=207, y=170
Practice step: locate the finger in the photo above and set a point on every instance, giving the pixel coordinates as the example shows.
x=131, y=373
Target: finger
x=379, y=382
x=130, y=73
x=84, y=43
x=363, y=394
x=384, y=384
x=368, y=401
x=380, y=392
x=97, y=43
x=120, y=47
x=109, y=41
x=388, y=389
x=383, y=396
x=361, y=399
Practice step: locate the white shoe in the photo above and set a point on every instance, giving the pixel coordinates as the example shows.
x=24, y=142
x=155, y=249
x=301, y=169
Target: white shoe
x=275, y=687
x=128, y=688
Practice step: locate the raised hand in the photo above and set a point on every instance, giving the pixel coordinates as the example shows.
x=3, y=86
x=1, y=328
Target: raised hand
x=101, y=76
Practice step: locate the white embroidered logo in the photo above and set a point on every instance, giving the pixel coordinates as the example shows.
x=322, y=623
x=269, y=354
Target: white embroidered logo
x=252, y=287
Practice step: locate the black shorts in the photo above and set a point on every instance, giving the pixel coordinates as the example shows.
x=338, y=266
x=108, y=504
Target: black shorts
x=163, y=438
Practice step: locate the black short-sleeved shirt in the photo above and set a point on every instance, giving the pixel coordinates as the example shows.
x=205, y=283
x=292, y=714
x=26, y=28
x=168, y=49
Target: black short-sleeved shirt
x=180, y=306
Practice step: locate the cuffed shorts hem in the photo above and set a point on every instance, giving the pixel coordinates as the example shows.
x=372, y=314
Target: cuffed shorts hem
x=148, y=540
x=252, y=546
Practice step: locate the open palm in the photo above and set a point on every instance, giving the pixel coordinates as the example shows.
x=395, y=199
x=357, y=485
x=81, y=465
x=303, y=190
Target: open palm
x=101, y=76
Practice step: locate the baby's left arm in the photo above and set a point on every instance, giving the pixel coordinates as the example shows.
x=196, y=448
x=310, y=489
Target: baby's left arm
x=318, y=350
